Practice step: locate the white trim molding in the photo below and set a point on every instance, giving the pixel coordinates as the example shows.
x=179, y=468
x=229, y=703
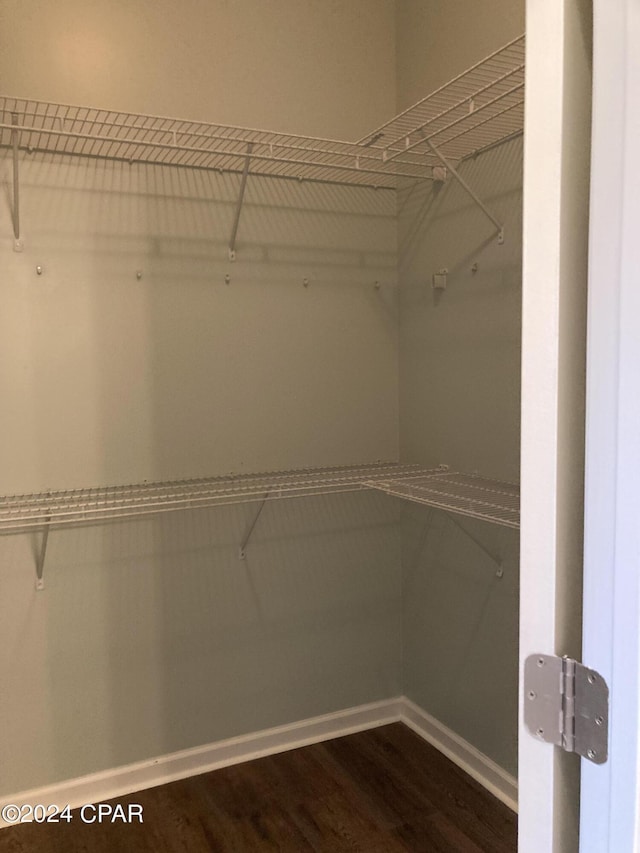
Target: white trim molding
x=490, y=775
x=610, y=793
x=119, y=781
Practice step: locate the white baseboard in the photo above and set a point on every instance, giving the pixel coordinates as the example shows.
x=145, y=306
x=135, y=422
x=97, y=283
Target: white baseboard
x=109, y=784
x=485, y=771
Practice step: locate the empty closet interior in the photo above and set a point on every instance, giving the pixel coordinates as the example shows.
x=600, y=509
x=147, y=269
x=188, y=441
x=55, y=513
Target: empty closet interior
x=188, y=304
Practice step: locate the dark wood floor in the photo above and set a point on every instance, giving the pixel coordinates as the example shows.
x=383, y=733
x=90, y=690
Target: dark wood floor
x=380, y=791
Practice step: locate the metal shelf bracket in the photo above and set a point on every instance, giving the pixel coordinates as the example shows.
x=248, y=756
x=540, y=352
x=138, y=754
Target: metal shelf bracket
x=41, y=556
x=465, y=186
x=236, y=218
x=15, y=207
x=492, y=556
x=242, y=552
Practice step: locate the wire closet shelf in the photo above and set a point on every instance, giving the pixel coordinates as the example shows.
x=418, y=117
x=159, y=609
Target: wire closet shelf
x=478, y=109
x=471, y=495
x=464, y=494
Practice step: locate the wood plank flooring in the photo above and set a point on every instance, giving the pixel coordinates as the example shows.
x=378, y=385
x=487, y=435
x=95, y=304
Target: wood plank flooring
x=379, y=791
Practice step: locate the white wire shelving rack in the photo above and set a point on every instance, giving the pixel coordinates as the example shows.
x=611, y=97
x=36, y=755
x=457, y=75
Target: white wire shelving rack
x=465, y=494
x=22, y=513
x=477, y=110
x=462, y=494
x=471, y=495
x=457, y=494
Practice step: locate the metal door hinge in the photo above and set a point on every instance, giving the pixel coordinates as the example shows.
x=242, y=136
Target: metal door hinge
x=567, y=704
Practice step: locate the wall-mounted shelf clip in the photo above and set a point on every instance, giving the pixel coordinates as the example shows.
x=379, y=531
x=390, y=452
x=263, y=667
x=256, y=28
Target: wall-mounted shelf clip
x=439, y=279
x=439, y=174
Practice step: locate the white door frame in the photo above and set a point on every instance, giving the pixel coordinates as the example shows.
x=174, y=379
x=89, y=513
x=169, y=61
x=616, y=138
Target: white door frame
x=610, y=794
x=556, y=204
x=555, y=241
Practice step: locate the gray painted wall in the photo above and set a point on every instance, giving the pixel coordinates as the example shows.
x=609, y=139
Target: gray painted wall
x=460, y=395
x=153, y=636
x=273, y=64
x=107, y=379
x=438, y=39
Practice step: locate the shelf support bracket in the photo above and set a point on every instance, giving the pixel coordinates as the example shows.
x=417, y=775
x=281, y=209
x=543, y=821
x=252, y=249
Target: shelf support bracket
x=465, y=186
x=242, y=553
x=491, y=554
x=236, y=218
x=42, y=556
x=15, y=211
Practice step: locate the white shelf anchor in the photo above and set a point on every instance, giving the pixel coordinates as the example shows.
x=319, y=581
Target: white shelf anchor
x=236, y=219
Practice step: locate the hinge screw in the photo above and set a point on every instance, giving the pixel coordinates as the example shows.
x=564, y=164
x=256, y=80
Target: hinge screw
x=599, y=721
x=591, y=753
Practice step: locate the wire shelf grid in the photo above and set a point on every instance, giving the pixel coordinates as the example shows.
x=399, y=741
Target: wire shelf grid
x=21, y=513
x=92, y=132
x=474, y=111
x=461, y=494
x=465, y=494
